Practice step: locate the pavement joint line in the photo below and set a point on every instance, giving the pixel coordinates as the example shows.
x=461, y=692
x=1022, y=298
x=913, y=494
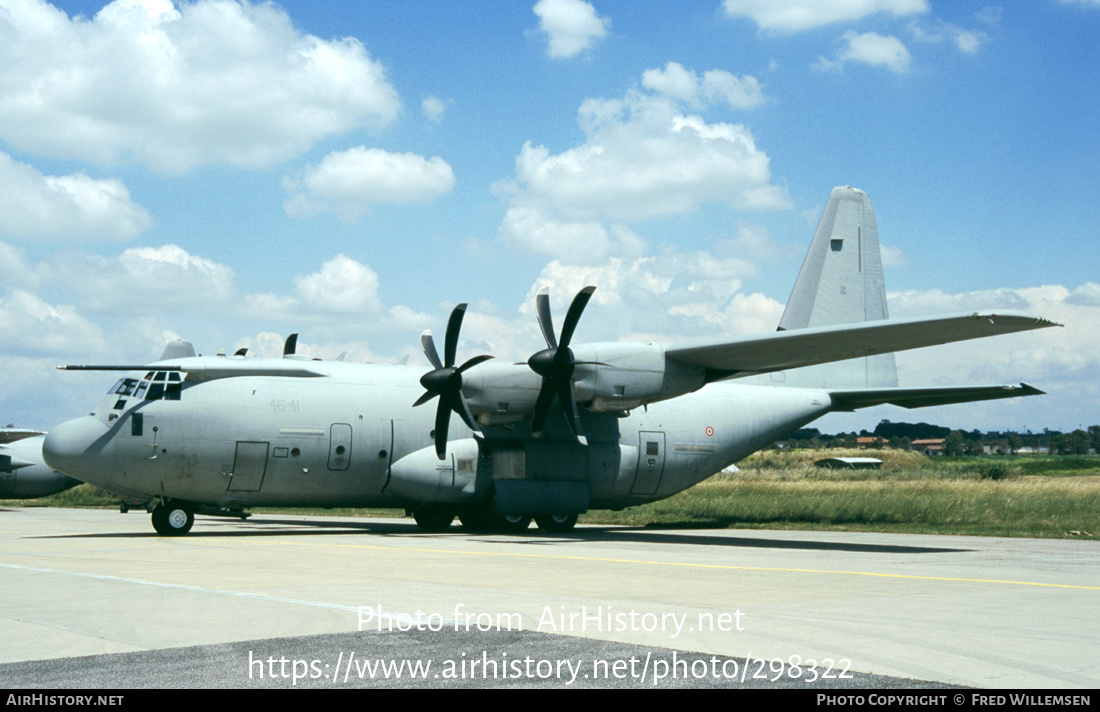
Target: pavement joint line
x=563, y=557
x=604, y=560
x=185, y=587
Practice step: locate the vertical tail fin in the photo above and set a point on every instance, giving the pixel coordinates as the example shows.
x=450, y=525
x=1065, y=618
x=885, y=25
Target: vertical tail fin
x=841, y=282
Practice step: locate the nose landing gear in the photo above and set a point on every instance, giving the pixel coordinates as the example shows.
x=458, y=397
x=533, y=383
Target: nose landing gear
x=173, y=518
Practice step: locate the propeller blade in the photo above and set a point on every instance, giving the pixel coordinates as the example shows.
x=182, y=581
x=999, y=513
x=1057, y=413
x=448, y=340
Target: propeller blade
x=473, y=362
x=458, y=405
x=291, y=345
x=569, y=405
x=453, y=326
x=574, y=315
x=428, y=395
x=542, y=309
x=428, y=344
x=542, y=407
x=442, y=423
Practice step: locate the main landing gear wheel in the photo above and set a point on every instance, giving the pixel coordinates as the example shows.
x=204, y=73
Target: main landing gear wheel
x=173, y=519
x=480, y=521
x=433, y=519
x=556, y=523
x=512, y=523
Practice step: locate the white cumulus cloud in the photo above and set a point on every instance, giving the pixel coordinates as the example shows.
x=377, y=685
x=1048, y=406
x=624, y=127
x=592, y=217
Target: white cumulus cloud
x=798, y=15
x=341, y=285
x=30, y=324
x=210, y=82
x=669, y=298
x=715, y=86
x=71, y=207
x=348, y=182
x=876, y=50
x=966, y=41
x=571, y=26
x=643, y=158
x=434, y=108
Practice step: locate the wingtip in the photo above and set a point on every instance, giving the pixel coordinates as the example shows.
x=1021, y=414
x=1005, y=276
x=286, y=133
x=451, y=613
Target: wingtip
x=1030, y=390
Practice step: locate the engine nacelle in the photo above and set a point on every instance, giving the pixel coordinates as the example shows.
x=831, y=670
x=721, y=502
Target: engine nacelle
x=635, y=374
x=501, y=393
x=611, y=378
x=422, y=477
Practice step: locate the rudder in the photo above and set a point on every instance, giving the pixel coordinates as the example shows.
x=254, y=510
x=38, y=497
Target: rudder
x=841, y=282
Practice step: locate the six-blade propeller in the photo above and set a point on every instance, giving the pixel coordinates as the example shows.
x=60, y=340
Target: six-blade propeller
x=445, y=380
x=556, y=363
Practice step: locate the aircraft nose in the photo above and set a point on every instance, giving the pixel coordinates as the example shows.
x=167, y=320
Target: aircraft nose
x=68, y=446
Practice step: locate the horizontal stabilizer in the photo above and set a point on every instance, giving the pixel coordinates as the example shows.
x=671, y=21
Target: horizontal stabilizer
x=848, y=400
x=806, y=347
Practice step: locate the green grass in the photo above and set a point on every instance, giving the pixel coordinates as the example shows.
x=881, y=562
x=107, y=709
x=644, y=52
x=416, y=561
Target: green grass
x=996, y=496
x=1024, y=496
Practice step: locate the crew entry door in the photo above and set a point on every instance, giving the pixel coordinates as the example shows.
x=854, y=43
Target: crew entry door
x=651, y=462
x=249, y=467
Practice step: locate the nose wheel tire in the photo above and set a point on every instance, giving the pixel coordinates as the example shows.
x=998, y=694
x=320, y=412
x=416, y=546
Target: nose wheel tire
x=556, y=523
x=172, y=519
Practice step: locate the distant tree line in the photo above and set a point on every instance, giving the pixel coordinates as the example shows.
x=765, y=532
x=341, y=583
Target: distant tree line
x=889, y=434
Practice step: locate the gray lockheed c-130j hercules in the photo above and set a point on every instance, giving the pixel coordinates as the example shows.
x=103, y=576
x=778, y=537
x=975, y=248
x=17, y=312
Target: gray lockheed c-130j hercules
x=576, y=427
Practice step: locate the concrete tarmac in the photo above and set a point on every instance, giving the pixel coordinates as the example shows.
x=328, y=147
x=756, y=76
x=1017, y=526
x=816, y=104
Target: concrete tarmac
x=297, y=599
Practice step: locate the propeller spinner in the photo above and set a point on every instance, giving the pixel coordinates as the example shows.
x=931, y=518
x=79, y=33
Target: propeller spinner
x=556, y=363
x=445, y=380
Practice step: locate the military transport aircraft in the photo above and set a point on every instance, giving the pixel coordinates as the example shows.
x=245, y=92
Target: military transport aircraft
x=575, y=427
x=24, y=474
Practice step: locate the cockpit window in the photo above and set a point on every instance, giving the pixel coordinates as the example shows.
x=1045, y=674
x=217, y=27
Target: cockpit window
x=156, y=385
x=164, y=385
x=126, y=386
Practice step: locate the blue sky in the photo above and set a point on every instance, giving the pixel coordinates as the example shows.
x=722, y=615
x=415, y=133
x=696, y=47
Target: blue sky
x=229, y=173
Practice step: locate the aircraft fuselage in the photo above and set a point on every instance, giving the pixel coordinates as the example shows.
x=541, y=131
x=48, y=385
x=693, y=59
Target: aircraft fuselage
x=351, y=438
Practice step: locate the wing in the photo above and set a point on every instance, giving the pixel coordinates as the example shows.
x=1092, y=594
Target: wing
x=806, y=347
x=207, y=369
